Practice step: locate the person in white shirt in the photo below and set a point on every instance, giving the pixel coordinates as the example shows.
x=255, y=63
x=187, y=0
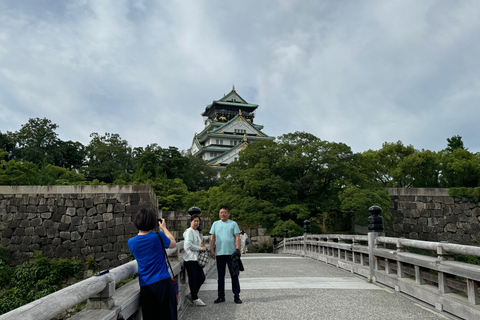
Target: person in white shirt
x=192, y=247
x=243, y=239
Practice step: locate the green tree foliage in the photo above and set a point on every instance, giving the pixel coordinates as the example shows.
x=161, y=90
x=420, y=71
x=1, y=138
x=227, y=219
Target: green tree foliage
x=35, y=279
x=154, y=161
x=17, y=173
x=37, y=141
x=108, y=158
x=69, y=155
x=356, y=201
x=454, y=143
x=294, y=178
x=7, y=144
x=379, y=166
x=459, y=168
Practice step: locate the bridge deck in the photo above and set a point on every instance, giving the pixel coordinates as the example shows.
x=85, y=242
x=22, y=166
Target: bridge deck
x=291, y=287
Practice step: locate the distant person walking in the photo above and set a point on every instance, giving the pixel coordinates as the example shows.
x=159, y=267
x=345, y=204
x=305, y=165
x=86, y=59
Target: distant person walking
x=157, y=295
x=224, y=242
x=193, y=244
x=243, y=240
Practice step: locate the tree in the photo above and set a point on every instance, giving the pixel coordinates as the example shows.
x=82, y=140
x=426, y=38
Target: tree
x=454, y=143
x=356, y=201
x=293, y=178
x=7, y=144
x=69, y=155
x=108, y=157
x=36, y=141
x=379, y=166
x=459, y=168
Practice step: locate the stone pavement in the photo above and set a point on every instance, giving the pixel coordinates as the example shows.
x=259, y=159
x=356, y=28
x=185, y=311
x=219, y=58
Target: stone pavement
x=291, y=287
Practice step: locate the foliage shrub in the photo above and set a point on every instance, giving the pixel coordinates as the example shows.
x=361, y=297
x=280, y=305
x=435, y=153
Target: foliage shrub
x=5, y=270
x=263, y=247
x=471, y=194
x=36, y=278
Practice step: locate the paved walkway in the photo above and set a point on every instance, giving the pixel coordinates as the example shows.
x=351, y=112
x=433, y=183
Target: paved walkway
x=290, y=287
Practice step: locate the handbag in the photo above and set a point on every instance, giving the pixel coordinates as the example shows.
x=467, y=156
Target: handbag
x=175, y=284
x=203, y=258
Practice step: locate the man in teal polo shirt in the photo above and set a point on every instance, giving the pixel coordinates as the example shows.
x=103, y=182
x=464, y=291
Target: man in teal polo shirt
x=225, y=241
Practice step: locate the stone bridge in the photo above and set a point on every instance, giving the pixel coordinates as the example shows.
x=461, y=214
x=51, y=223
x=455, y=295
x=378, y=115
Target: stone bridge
x=319, y=276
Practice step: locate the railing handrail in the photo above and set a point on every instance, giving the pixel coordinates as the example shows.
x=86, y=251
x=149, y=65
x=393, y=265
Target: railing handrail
x=68, y=297
x=427, y=278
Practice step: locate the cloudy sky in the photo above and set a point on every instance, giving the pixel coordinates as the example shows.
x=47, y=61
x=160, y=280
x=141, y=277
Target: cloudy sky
x=357, y=72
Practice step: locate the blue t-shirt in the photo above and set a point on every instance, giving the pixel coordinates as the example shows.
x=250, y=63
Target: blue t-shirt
x=224, y=236
x=147, y=250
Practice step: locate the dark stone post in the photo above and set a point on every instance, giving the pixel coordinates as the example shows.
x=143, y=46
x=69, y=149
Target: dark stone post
x=306, y=231
x=196, y=210
x=375, y=229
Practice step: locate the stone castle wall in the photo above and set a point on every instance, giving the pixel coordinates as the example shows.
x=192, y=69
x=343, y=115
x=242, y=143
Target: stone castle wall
x=431, y=214
x=71, y=221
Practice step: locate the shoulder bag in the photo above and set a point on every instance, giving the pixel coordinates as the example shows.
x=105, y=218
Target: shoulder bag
x=203, y=256
x=175, y=284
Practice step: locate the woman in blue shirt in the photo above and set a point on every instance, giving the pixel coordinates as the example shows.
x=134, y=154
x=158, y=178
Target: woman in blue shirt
x=157, y=295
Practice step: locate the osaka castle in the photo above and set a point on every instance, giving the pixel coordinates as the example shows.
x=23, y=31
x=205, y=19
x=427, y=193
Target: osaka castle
x=229, y=127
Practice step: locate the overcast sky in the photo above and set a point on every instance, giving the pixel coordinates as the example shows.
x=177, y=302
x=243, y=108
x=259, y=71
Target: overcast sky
x=358, y=72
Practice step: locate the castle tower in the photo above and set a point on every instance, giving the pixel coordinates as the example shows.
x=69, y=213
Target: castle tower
x=228, y=129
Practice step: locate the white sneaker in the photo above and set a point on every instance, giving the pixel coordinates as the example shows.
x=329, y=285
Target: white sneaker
x=199, y=303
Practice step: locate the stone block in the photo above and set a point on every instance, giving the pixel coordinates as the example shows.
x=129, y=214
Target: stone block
x=88, y=203
x=29, y=231
x=67, y=245
x=119, y=230
x=46, y=215
x=81, y=243
x=78, y=203
x=101, y=208
x=19, y=232
x=69, y=203
x=41, y=231
x=107, y=216
x=450, y=227
x=24, y=224
x=86, y=250
x=81, y=212
x=66, y=220
x=110, y=207
x=76, y=221
x=98, y=199
x=119, y=208
x=92, y=211
x=71, y=211
x=36, y=222
x=74, y=236
x=82, y=228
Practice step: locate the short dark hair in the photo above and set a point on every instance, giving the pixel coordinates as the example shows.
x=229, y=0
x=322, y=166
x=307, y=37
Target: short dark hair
x=145, y=219
x=194, y=216
x=224, y=207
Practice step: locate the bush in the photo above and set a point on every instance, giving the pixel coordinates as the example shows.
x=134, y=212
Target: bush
x=5, y=269
x=35, y=279
x=263, y=247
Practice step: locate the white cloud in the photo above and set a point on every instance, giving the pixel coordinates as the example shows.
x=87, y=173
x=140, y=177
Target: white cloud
x=361, y=73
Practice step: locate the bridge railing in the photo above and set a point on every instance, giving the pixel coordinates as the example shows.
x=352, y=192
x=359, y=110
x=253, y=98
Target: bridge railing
x=421, y=269
x=104, y=301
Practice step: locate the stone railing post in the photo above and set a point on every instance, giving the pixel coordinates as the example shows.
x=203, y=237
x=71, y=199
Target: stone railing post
x=306, y=231
x=103, y=299
x=375, y=229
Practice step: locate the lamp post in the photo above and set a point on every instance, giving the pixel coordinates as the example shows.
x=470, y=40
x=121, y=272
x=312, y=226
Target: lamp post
x=196, y=210
x=375, y=229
